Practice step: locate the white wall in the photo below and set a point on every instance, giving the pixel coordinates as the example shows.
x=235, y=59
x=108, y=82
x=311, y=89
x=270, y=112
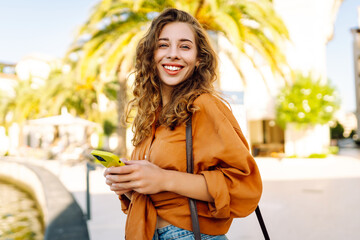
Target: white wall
x=311, y=25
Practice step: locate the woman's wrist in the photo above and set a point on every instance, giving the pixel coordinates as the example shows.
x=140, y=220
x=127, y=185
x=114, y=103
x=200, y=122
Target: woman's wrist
x=167, y=180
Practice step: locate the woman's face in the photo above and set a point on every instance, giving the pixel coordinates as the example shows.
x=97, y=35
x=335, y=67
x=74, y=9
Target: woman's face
x=176, y=54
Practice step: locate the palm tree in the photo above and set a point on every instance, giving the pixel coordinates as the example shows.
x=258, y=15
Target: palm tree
x=106, y=43
x=24, y=104
x=61, y=90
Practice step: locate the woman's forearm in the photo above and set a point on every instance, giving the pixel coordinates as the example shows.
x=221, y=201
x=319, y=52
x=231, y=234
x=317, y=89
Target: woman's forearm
x=188, y=185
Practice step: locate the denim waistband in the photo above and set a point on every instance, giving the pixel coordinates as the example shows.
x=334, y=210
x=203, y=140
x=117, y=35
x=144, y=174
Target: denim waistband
x=173, y=232
x=164, y=229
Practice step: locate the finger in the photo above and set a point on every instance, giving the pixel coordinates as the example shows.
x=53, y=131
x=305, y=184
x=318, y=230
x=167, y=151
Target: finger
x=137, y=162
x=108, y=182
x=121, y=178
x=122, y=192
x=130, y=162
x=119, y=192
x=127, y=186
x=119, y=170
x=106, y=172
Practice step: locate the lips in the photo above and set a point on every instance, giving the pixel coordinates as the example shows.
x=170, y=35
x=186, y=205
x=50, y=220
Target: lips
x=172, y=69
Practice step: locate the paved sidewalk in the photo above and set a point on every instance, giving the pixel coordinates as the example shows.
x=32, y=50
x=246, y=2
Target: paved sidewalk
x=302, y=199
x=310, y=199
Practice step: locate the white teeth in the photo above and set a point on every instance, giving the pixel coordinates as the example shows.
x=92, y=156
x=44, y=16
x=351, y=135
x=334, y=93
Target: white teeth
x=172, y=68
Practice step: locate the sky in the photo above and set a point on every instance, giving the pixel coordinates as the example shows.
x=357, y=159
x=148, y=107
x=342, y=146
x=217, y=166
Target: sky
x=48, y=27
x=39, y=26
x=340, y=58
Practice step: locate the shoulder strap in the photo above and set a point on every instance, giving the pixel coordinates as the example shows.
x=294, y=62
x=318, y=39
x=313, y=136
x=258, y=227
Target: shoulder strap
x=262, y=223
x=189, y=150
x=190, y=169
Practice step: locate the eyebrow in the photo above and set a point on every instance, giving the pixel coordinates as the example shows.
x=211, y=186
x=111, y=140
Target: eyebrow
x=181, y=40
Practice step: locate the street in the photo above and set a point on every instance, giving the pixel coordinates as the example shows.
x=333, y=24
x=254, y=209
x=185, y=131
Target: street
x=310, y=199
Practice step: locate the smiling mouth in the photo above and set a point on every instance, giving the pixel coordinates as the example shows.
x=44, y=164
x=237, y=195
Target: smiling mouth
x=172, y=68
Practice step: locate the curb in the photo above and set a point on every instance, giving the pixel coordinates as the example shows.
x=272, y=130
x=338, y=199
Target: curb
x=62, y=216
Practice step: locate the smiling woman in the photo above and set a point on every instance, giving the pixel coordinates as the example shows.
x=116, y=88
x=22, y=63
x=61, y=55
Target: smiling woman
x=174, y=74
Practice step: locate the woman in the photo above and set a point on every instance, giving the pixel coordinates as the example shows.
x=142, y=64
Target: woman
x=174, y=72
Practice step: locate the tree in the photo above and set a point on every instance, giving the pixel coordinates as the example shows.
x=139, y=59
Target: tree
x=22, y=105
x=105, y=45
x=307, y=102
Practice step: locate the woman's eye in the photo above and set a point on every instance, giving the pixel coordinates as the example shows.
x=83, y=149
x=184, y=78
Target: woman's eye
x=162, y=45
x=185, y=47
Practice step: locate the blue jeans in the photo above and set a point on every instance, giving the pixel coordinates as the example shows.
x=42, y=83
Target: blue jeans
x=171, y=232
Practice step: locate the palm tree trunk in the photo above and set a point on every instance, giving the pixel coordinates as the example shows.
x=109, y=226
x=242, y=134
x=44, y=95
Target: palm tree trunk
x=121, y=149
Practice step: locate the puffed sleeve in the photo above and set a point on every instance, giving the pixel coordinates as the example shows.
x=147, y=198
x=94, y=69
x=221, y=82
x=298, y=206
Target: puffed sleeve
x=221, y=155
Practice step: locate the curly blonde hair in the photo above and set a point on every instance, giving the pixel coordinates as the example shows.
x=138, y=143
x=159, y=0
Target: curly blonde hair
x=147, y=99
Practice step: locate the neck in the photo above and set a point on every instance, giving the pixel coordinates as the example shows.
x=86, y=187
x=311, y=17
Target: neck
x=165, y=94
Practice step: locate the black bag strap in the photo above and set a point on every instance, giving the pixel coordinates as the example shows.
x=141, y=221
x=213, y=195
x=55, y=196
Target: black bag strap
x=192, y=202
x=262, y=223
x=190, y=169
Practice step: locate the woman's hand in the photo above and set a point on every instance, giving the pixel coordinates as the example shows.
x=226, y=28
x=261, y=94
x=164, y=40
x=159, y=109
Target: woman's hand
x=109, y=182
x=145, y=177
x=141, y=176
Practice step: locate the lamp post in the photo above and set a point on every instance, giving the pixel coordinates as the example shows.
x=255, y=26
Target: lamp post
x=356, y=49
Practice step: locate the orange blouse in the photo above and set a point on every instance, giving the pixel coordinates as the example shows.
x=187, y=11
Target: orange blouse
x=221, y=155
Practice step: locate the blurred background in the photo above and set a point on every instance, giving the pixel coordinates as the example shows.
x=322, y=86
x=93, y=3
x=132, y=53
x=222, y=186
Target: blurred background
x=289, y=69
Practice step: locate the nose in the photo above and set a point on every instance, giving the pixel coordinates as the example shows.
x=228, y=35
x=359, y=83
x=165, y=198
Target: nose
x=173, y=52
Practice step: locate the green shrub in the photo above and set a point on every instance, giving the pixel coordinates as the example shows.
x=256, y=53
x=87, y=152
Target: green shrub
x=333, y=150
x=317, y=155
x=337, y=131
x=307, y=101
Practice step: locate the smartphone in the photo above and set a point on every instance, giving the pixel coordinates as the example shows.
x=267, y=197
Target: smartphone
x=107, y=159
